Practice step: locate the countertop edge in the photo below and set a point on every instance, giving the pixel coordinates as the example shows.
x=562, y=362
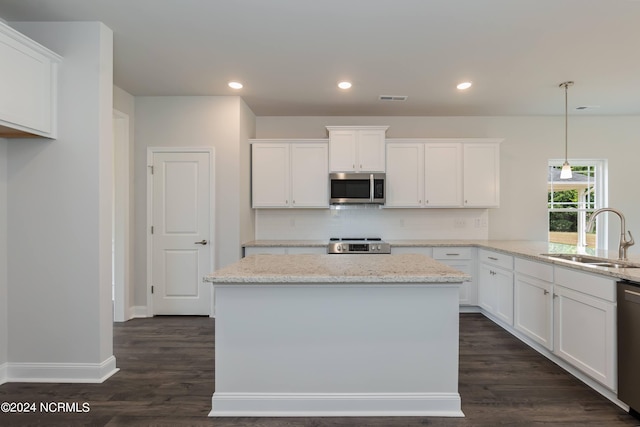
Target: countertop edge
x=531, y=250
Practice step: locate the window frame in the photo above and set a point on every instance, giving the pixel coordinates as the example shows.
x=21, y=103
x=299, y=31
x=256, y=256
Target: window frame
x=601, y=200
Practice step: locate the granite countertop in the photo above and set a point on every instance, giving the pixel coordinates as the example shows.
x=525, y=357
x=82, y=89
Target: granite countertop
x=309, y=268
x=532, y=250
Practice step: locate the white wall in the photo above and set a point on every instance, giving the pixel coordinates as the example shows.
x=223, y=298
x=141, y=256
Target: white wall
x=3, y=259
x=529, y=143
x=191, y=121
x=59, y=218
x=247, y=214
x=390, y=224
x=124, y=103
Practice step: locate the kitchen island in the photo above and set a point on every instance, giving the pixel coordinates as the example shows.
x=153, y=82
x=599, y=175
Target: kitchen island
x=336, y=335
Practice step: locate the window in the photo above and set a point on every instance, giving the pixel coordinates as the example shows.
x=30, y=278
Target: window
x=570, y=201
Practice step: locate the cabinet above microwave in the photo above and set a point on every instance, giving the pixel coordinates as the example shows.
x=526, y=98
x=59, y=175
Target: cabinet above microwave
x=357, y=148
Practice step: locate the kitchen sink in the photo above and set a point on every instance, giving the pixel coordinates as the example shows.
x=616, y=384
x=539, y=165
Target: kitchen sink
x=592, y=261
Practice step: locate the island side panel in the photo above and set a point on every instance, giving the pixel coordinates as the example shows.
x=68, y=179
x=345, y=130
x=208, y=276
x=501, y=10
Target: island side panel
x=336, y=342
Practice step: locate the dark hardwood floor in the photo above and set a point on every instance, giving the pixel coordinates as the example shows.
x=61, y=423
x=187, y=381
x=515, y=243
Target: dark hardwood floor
x=166, y=379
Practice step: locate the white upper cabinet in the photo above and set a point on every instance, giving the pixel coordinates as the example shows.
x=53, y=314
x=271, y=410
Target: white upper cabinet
x=405, y=175
x=289, y=174
x=481, y=175
x=442, y=173
x=270, y=175
x=28, y=86
x=309, y=177
x=357, y=148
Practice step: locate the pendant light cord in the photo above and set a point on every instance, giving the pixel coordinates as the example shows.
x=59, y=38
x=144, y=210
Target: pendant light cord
x=566, y=85
x=566, y=122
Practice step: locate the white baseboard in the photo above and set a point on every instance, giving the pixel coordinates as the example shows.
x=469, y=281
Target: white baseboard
x=138, y=311
x=61, y=372
x=335, y=404
x=3, y=373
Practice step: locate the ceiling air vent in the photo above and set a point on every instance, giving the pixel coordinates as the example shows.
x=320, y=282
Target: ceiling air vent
x=392, y=98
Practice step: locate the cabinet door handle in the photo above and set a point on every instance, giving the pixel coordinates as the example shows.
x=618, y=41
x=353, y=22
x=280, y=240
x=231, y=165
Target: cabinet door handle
x=555, y=295
x=201, y=242
x=493, y=258
x=452, y=254
x=546, y=292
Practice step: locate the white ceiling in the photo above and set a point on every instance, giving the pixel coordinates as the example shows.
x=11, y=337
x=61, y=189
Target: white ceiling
x=290, y=54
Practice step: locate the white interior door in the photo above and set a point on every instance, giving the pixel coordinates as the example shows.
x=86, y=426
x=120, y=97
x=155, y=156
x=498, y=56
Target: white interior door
x=181, y=219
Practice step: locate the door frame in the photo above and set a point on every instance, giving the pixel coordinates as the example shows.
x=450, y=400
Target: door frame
x=150, y=152
x=121, y=232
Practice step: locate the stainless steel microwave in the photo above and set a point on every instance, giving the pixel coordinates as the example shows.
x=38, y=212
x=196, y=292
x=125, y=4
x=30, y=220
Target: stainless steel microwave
x=357, y=188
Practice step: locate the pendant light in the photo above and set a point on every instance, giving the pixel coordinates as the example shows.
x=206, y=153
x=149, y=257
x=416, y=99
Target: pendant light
x=566, y=168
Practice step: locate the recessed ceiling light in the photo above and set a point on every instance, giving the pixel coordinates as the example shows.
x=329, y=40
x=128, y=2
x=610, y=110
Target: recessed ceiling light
x=235, y=85
x=464, y=85
x=344, y=85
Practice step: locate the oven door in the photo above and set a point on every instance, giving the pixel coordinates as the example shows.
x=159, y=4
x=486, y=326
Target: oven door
x=354, y=188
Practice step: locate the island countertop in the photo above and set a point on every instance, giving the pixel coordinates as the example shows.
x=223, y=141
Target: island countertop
x=311, y=268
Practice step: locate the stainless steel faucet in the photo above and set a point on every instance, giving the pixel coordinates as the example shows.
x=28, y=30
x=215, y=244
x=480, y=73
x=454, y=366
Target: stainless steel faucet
x=624, y=243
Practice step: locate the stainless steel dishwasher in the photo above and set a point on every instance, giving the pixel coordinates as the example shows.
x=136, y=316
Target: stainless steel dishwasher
x=629, y=345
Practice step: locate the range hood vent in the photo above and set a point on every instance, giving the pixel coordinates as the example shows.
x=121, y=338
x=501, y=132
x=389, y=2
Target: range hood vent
x=392, y=97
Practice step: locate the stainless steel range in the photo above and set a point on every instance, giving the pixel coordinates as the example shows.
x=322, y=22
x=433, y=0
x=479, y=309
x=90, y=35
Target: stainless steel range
x=358, y=245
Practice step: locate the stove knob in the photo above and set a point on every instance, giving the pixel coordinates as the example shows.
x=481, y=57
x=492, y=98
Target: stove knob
x=379, y=247
x=339, y=248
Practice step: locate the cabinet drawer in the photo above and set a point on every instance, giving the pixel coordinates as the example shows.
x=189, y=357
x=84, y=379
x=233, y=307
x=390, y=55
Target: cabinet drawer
x=538, y=270
x=452, y=253
x=259, y=250
x=422, y=250
x=318, y=250
x=496, y=258
x=597, y=286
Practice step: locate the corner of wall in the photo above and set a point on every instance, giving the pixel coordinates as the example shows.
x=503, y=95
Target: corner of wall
x=247, y=214
x=4, y=285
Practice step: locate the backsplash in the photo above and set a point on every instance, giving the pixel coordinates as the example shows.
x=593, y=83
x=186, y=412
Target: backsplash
x=389, y=224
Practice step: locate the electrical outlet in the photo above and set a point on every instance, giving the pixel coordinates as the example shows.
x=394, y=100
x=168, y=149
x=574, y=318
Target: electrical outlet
x=459, y=223
x=480, y=222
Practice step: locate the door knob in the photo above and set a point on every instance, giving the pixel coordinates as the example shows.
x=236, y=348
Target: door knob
x=201, y=242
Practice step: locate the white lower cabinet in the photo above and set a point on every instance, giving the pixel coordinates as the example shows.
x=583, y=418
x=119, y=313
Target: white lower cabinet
x=533, y=301
x=460, y=258
x=282, y=250
x=395, y=250
x=495, y=284
x=571, y=313
x=585, y=325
